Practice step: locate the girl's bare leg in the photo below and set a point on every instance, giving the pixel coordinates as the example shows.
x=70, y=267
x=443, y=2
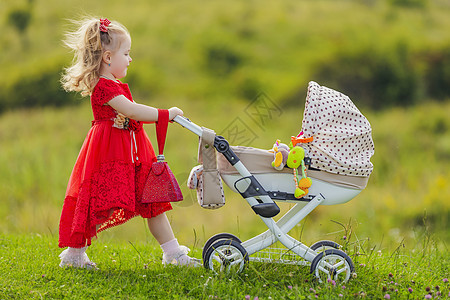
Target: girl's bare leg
x=160, y=228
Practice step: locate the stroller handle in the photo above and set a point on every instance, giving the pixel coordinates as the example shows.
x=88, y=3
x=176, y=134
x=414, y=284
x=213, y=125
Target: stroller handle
x=266, y=209
x=186, y=123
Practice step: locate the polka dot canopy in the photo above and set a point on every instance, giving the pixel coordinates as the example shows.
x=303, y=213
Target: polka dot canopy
x=342, y=134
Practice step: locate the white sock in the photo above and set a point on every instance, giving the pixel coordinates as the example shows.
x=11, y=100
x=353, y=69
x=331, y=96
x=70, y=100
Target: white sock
x=174, y=253
x=76, y=251
x=170, y=247
x=75, y=257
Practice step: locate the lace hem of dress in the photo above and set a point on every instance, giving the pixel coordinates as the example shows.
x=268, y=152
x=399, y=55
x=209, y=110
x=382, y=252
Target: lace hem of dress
x=117, y=218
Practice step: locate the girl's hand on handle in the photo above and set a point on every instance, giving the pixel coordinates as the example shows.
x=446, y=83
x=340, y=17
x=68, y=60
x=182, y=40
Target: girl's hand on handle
x=173, y=112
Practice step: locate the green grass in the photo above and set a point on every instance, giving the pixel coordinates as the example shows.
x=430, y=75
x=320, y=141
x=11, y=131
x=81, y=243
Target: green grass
x=29, y=270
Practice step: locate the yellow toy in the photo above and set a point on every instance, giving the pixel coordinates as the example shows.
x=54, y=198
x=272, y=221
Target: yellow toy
x=281, y=152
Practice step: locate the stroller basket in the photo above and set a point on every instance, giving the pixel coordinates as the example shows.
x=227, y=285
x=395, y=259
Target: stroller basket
x=278, y=255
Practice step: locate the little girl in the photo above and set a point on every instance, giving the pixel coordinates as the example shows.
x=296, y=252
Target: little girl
x=110, y=173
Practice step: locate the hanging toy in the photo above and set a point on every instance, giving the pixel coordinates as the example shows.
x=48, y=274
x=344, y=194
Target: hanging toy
x=295, y=161
x=293, y=156
x=300, y=139
x=305, y=183
x=280, y=152
x=299, y=193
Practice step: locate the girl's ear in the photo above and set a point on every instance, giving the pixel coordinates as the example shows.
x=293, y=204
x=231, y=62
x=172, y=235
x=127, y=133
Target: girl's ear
x=106, y=57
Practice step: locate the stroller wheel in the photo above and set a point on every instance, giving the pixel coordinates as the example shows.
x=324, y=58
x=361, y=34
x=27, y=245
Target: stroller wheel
x=325, y=245
x=226, y=256
x=332, y=264
x=219, y=236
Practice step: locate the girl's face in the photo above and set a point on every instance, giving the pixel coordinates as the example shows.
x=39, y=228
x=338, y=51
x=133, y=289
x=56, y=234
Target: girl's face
x=120, y=59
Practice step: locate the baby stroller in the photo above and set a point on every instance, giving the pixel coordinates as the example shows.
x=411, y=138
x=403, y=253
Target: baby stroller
x=337, y=159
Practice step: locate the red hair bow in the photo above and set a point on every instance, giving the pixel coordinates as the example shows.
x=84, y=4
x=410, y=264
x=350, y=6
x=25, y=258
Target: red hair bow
x=104, y=23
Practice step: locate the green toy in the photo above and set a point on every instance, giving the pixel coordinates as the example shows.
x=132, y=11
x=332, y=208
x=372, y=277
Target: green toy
x=294, y=159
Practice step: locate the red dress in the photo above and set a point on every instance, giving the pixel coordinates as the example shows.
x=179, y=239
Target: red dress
x=109, y=174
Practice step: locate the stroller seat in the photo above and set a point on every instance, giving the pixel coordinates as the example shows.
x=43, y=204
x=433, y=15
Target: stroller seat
x=335, y=188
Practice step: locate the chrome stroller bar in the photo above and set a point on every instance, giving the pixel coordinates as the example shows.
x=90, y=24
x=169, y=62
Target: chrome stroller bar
x=250, y=189
x=278, y=231
x=186, y=123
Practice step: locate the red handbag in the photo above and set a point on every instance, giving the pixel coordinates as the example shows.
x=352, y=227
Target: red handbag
x=161, y=185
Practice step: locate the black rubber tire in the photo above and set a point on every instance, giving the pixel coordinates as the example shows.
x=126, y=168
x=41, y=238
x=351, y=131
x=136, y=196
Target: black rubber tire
x=216, y=237
x=226, y=248
x=325, y=243
x=330, y=252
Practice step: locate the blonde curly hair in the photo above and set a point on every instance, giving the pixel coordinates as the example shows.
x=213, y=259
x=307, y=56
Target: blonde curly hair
x=88, y=43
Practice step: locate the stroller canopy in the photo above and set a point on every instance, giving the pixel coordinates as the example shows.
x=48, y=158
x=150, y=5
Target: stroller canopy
x=342, y=141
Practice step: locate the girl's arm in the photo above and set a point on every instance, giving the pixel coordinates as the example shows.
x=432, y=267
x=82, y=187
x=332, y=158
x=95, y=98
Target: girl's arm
x=139, y=112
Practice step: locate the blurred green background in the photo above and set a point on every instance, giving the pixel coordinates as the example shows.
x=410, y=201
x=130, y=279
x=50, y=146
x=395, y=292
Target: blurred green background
x=216, y=60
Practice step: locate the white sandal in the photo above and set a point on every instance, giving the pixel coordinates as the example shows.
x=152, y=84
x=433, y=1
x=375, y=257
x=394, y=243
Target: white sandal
x=177, y=258
x=76, y=260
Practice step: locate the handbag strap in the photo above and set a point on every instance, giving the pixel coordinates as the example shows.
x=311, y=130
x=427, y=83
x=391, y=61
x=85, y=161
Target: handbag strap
x=161, y=129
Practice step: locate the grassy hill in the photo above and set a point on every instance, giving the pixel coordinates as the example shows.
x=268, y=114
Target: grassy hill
x=384, y=53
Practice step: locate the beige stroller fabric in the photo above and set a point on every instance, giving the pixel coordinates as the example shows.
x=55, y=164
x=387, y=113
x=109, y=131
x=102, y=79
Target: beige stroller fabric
x=342, y=135
x=259, y=161
x=209, y=189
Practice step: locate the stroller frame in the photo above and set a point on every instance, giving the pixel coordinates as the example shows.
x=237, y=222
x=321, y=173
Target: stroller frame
x=326, y=260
